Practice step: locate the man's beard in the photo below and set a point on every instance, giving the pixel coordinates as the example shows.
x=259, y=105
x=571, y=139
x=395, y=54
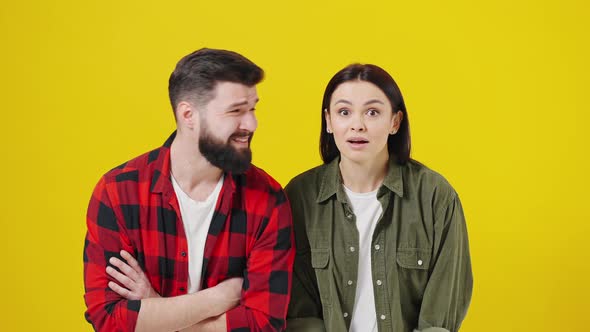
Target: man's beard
x=222, y=154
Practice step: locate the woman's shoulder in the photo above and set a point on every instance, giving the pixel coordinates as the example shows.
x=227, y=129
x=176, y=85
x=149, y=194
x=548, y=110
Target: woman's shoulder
x=420, y=180
x=307, y=180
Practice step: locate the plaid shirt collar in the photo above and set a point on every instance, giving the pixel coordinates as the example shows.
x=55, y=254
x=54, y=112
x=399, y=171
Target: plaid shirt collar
x=163, y=184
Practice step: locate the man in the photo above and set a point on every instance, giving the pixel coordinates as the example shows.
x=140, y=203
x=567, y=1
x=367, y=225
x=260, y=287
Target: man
x=196, y=215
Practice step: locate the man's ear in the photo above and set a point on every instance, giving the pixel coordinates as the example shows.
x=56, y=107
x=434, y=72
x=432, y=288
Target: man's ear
x=187, y=115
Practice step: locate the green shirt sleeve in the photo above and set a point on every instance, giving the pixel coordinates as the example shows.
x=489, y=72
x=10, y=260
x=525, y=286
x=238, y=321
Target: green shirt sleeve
x=448, y=292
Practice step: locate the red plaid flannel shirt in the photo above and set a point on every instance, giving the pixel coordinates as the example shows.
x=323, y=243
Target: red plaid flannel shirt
x=134, y=207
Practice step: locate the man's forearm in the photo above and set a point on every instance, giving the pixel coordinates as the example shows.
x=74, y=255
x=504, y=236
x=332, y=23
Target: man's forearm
x=177, y=313
x=213, y=324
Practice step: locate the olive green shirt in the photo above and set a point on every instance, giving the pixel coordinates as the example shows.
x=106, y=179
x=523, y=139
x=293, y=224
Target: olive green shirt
x=420, y=253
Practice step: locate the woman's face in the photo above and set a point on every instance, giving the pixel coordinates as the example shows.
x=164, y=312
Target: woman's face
x=361, y=119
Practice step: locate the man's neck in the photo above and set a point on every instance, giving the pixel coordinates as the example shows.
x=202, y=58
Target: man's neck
x=191, y=170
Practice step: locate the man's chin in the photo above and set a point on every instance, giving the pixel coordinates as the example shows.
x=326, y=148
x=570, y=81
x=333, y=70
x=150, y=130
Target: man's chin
x=242, y=151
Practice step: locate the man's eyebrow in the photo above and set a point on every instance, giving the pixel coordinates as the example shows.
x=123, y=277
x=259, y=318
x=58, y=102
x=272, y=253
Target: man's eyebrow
x=241, y=103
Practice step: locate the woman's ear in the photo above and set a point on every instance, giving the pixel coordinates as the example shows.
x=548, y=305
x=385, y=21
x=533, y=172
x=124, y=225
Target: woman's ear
x=396, y=121
x=328, y=122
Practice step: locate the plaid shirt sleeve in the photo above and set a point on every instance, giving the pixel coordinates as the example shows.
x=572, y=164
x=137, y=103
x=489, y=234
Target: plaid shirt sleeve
x=267, y=280
x=105, y=237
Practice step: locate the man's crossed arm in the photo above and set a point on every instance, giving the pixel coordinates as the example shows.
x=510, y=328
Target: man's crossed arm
x=200, y=311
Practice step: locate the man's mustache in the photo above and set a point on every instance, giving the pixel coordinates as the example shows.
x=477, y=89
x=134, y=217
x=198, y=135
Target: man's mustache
x=242, y=134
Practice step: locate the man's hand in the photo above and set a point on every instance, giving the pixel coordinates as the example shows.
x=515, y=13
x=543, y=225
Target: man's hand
x=136, y=286
x=218, y=299
x=135, y=282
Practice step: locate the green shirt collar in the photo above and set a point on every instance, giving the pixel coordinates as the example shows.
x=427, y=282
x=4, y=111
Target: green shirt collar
x=332, y=180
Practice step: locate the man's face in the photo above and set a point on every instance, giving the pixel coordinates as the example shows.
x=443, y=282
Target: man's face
x=227, y=124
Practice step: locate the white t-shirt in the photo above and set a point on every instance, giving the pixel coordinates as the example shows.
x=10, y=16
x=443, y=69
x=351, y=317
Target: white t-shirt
x=196, y=217
x=367, y=210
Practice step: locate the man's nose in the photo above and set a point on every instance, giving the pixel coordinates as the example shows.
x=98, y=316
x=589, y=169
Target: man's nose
x=249, y=122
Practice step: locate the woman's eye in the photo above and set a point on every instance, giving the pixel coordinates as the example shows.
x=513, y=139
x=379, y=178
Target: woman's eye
x=372, y=112
x=343, y=111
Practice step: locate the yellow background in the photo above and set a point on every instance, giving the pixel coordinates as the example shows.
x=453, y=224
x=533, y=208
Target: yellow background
x=495, y=92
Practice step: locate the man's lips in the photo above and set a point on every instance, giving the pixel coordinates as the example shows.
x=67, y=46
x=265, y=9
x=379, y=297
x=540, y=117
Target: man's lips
x=244, y=139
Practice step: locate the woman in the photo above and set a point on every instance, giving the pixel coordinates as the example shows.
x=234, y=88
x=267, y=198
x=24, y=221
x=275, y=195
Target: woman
x=381, y=239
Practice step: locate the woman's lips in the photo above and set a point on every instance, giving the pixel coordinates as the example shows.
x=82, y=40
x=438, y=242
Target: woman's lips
x=357, y=142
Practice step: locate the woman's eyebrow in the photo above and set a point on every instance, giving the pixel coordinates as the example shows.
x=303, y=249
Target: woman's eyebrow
x=373, y=101
x=343, y=101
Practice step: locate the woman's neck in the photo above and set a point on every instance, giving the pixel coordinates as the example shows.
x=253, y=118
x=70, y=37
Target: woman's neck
x=366, y=176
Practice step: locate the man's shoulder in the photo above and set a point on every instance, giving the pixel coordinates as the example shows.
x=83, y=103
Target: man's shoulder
x=134, y=169
x=257, y=178
x=256, y=184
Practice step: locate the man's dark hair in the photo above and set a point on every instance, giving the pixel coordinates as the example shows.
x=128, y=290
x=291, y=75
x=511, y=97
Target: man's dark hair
x=196, y=75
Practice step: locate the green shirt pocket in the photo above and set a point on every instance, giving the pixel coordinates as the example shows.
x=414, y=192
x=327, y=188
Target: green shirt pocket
x=413, y=258
x=320, y=257
x=413, y=274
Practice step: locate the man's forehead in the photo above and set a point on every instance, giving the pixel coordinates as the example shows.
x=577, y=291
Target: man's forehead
x=231, y=89
x=229, y=94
